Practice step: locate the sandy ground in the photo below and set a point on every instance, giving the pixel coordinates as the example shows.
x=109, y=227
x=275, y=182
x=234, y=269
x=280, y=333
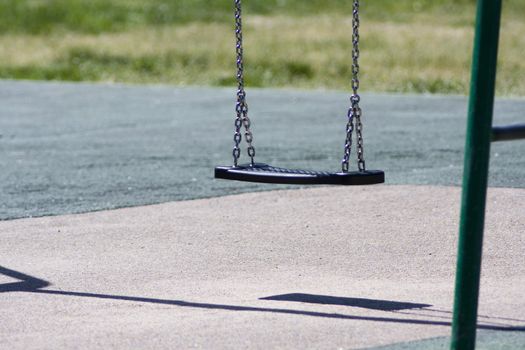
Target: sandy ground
x=313, y=268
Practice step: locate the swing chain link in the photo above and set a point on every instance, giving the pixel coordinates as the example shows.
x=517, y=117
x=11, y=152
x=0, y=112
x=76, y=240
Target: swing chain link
x=354, y=112
x=241, y=107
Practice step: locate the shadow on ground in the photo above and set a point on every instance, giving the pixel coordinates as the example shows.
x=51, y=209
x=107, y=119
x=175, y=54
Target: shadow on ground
x=382, y=305
x=30, y=284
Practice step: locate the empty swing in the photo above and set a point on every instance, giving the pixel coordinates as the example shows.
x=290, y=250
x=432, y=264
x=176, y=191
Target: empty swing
x=259, y=172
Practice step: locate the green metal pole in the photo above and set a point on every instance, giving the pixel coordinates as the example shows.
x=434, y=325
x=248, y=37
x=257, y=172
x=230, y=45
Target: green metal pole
x=475, y=174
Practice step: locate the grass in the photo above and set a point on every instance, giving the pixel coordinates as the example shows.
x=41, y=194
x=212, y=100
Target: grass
x=407, y=46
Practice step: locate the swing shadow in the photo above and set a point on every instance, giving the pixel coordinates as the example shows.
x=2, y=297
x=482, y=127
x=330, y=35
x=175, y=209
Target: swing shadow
x=373, y=304
x=30, y=284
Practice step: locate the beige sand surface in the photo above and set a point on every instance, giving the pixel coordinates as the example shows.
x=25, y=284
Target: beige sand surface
x=193, y=274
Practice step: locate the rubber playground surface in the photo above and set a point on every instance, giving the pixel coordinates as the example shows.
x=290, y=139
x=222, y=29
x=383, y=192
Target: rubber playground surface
x=116, y=235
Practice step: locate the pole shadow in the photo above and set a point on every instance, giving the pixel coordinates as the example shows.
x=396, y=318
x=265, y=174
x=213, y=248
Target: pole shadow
x=26, y=283
x=30, y=284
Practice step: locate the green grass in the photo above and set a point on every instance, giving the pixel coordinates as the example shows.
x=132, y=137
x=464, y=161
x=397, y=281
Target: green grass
x=407, y=46
x=97, y=16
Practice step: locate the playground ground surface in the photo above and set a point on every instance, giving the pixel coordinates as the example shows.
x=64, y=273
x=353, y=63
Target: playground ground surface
x=227, y=265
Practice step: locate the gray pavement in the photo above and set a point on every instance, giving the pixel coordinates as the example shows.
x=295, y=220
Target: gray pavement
x=485, y=340
x=69, y=148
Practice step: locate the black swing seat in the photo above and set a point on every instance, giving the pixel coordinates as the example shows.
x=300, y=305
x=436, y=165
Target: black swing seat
x=265, y=173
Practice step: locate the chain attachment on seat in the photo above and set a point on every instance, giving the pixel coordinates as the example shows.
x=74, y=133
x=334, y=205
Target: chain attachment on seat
x=354, y=112
x=241, y=107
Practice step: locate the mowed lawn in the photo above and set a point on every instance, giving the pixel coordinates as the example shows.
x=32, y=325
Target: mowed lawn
x=407, y=46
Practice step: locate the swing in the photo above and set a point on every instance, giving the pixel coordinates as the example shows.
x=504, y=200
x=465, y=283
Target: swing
x=260, y=172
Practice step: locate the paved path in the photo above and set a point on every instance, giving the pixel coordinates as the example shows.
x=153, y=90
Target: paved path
x=67, y=148
x=316, y=268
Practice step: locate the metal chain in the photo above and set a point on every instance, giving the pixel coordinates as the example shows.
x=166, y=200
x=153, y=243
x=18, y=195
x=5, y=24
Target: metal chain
x=354, y=112
x=241, y=107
